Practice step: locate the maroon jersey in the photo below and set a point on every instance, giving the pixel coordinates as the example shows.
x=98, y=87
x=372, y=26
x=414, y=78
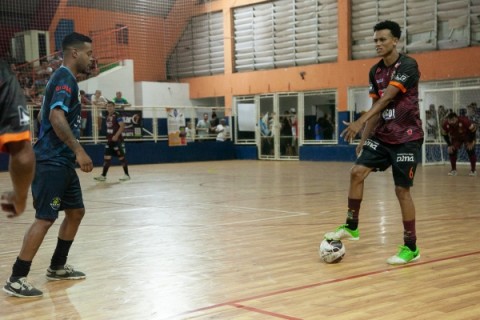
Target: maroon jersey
x=400, y=120
x=459, y=131
x=113, y=124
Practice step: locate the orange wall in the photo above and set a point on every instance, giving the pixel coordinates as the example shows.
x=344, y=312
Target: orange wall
x=345, y=73
x=148, y=45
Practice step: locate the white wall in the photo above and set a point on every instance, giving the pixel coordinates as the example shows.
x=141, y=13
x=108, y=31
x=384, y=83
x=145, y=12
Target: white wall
x=146, y=94
x=161, y=94
x=116, y=79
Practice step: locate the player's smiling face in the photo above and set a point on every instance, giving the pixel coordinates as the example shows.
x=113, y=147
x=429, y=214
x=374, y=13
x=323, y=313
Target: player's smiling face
x=385, y=42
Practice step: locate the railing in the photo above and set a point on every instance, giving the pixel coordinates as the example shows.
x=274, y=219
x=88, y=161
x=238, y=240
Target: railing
x=142, y=123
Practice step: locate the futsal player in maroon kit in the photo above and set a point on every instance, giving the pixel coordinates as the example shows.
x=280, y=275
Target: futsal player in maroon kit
x=458, y=131
x=115, y=145
x=392, y=136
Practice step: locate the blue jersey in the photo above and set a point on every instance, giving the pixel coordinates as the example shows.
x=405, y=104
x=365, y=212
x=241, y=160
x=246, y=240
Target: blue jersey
x=61, y=92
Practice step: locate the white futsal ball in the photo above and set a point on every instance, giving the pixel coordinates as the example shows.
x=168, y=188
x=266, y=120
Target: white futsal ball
x=331, y=251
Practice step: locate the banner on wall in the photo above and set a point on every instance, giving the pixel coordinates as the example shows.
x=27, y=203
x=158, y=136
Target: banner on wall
x=176, y=127
x=133, y=123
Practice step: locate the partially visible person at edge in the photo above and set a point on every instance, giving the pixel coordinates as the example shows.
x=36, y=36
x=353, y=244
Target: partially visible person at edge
x=459, y=131
x=392, y=136
x=15, y=139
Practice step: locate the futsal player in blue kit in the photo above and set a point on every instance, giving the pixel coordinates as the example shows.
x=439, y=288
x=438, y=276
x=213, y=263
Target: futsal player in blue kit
x=56, y=186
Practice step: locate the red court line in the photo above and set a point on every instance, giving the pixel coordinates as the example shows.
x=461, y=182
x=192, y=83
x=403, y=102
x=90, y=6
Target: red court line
x=268, y=313
x=322, y=283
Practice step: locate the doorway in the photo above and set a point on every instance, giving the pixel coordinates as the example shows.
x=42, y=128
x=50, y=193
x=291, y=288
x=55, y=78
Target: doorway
x=280, y=123
x=278, y=127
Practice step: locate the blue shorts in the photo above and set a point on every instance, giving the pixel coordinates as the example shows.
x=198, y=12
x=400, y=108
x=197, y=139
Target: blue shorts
x=402, y=157
x=55, y=188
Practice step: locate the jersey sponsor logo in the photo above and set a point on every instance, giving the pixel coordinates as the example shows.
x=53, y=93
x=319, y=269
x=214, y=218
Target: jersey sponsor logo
x=388, y=114
x=371, y=144
x=405, y=157
x=55, y=203
x=23, y=116
x=64, y=88
x=78, y=122
x=400, y=77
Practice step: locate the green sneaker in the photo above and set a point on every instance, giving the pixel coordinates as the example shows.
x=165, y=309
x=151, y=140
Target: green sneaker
x=343, y=232
x=404, y=256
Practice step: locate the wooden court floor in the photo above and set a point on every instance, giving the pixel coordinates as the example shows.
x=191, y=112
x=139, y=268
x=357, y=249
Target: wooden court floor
x=239, y=240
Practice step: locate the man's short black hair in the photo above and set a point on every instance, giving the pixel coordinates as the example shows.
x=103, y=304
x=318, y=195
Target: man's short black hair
x=390, y=25
x=75, y=40
x=452, y=115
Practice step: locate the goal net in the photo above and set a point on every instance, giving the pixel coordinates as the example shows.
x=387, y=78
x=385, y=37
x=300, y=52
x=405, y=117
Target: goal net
x=437, y=102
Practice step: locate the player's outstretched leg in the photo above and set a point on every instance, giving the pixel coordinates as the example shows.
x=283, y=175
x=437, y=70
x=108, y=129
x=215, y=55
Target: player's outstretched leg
x=343, y=232
x=349, y=230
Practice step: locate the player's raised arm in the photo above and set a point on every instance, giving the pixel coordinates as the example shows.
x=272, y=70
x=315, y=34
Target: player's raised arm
x=354, y=128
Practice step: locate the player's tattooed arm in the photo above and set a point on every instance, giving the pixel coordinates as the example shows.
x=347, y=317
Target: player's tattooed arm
x=63, y=131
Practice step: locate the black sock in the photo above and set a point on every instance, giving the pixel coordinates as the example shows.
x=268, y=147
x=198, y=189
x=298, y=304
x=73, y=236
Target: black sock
x=106, y=165
x=409, y=235
x=353, y=213
x=20, y=269
x=60, y=255
x=125, y=166
x=352, y=224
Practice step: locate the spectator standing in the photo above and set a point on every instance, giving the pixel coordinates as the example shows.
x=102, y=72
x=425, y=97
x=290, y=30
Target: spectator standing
x=99, y=102
x=84, y=113
x=203, y=127
x=222, y=131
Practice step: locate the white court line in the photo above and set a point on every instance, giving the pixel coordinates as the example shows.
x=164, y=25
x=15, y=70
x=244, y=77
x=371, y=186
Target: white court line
x=252, y=209
x=289, y=214
x=263, y=219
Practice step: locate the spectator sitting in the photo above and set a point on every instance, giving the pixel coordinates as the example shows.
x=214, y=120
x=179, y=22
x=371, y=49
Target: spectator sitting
x=120, y=101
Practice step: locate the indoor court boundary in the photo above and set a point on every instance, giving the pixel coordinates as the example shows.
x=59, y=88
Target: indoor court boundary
x=237, y=303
